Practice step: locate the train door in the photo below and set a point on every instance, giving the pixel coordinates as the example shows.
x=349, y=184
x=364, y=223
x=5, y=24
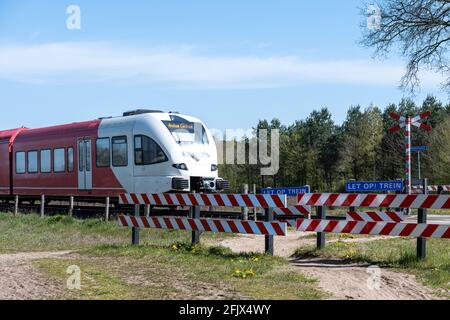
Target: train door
x=84, y=164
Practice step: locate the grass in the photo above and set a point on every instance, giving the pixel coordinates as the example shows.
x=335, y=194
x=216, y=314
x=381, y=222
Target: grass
x=165, y=266
x=30, y=233
x=438, y=212
x=398, y=254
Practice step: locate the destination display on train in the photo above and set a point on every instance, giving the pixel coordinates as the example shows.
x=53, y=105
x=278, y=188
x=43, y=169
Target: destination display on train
x=175, y=125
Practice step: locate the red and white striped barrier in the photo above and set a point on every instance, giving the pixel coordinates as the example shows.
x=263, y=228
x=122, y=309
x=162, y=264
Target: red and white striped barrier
x=209, y=200
x=375, y=228
x=376, y=216
x=419, y=189
x=205, y=225
x=304, y=211
x=375, y=200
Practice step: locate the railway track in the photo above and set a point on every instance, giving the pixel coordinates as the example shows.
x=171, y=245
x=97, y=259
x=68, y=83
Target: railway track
x=91, y=211
x=89, y=208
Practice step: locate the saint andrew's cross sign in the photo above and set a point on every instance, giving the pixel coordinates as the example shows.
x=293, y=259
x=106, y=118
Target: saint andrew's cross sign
x=406, y=122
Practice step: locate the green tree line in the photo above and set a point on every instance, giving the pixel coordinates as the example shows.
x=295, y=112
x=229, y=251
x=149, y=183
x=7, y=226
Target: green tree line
x=318, y=152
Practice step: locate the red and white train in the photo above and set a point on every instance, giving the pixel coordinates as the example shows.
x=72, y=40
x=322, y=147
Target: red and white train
x=143, y=151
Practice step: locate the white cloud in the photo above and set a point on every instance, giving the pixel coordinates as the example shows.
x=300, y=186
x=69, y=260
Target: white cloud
x=75, y=61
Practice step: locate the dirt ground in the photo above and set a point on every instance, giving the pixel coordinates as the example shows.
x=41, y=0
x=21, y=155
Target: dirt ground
x=336, y=277
x=19, y=280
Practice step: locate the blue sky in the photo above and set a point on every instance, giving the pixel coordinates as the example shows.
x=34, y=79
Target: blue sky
x=229, y=62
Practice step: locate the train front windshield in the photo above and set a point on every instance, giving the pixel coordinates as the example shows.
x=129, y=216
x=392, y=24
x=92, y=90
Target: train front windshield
x=187, y=133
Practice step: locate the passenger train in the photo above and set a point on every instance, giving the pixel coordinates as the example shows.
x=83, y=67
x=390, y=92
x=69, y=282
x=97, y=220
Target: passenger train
x=143, y=151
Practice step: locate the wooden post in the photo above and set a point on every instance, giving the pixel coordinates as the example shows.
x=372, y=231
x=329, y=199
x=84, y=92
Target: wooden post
x=135, y=231
x=195, y=214
x=71, y=206
x=147, y=210
x=16, y=205
x=244, y=215
x=322, y=215
x=269, y=239
x=422, y=218
x=107, y=209
x=42, y=206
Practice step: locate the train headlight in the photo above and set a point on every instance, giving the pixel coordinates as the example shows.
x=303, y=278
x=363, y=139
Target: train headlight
x=180, y=166
x=214, y=167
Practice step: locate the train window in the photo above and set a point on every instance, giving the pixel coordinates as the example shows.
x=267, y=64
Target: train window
x=59, y=160
x=32, y=162
x=20, y=162
x=70, y=159
x=103, y=152
x=88, y=155
x=46, y=161
x=120, y=151
x=147, y=151
x=80, y=156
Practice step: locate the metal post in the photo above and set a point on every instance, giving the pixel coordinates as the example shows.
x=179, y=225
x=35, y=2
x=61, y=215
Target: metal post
x=255, y=210
x=195, y=214
x=244, y=215
x=408, y=181
x=269, y=239
x=42, y=206
x=147, y=210
x=107, y=209
x=16, y=206
x=71, y=206
x=408, y=155
x=322, y=215
x=135, y=231
x=418, y=161
x=422, y=218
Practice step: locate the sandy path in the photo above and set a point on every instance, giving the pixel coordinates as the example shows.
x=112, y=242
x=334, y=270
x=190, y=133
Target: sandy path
x=284, y=246
x=19, y=280
x=336, y=277
x=352, y=281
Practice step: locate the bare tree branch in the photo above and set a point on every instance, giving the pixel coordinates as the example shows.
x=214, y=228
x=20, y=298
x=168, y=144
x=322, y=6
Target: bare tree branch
x=419, y=30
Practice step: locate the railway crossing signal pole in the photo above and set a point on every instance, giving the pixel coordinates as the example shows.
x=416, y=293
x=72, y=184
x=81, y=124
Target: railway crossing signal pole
x=407, y=122
x=418, y=165
x=408, y=155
